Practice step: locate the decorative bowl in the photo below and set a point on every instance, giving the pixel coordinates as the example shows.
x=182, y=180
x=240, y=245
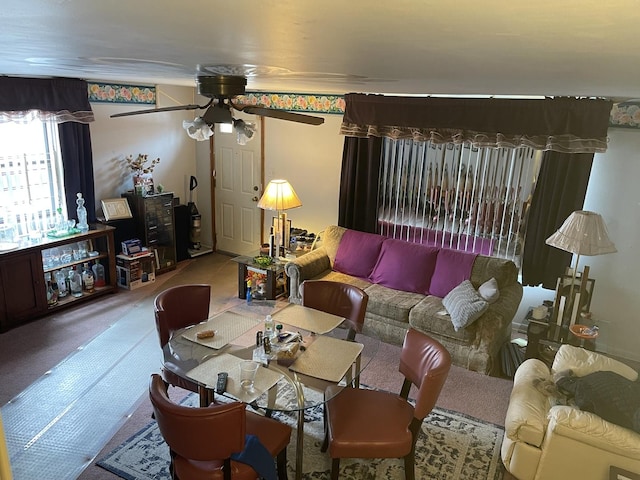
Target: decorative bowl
x=583, y=331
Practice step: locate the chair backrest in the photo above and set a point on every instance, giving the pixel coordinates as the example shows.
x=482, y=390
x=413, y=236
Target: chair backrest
x=180, y=306
x=425, y=363
x=204, y=434
x=337, y=298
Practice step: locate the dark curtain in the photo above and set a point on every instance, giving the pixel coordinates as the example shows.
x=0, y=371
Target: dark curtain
x=560, y=190
x=569, y=129
x=66, y=101
x=574, y=125
x=77, y=159
x=358, y=204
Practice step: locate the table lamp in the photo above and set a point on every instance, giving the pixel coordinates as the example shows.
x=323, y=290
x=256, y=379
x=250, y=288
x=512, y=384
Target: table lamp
x=279, y=196
x=582, y=233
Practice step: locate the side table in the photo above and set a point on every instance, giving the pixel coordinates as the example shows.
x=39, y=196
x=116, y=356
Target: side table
x=543, y=339
x=274, y=276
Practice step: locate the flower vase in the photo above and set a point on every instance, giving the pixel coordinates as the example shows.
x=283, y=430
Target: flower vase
x=138, y=184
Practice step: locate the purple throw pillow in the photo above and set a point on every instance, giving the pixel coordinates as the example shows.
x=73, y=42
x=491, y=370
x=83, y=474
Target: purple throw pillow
x=405, y=266
x=452, y=267
x=357, y=253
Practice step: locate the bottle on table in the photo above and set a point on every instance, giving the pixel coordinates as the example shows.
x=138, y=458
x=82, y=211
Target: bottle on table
x=269, y=330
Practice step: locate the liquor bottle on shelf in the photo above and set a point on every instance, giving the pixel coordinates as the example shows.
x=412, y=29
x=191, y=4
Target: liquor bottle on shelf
x=100, y=279
x=52, y=296
x=61, y=280
x=75, y=282
x=88, y=280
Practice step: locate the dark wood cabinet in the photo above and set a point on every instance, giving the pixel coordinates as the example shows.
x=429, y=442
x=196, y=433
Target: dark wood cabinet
x=154, y=221
x=23, y=294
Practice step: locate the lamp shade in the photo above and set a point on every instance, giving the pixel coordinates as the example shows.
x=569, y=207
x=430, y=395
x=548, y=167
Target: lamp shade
x=583, y=233
x=279, y=195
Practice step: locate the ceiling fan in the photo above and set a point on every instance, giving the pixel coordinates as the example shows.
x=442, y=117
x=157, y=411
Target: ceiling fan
x=222, y=89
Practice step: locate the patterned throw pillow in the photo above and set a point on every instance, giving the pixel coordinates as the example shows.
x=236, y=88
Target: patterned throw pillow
x=464, y=304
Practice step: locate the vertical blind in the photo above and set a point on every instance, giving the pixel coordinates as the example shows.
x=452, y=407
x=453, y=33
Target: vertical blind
x=457, y=196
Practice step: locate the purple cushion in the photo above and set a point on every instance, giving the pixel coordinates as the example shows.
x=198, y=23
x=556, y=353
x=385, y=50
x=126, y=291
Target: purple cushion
x=357, y=253
x=452, y=267
x=405, y=266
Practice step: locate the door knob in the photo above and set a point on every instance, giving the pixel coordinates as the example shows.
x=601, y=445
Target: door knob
x=255, y=199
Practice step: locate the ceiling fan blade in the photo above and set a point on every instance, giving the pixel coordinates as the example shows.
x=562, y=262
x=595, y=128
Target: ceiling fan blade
x=163, y=109
x=282, y=115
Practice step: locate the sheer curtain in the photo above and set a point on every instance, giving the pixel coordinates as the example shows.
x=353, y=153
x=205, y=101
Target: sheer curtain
x=565, y=125
x=64, y=101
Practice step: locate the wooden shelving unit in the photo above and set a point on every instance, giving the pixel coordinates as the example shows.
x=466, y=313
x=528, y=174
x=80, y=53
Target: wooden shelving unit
x=23, y=295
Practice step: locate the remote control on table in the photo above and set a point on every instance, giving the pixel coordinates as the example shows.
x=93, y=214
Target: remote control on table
x=221, y=385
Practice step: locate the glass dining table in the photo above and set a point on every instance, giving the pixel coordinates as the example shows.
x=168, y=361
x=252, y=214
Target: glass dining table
x=314, y=350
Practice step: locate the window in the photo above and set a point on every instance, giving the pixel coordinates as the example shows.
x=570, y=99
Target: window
x=457, y=196
x=31, y=176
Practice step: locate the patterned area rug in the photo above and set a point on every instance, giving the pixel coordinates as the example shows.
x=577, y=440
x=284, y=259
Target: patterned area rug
x=452, y=446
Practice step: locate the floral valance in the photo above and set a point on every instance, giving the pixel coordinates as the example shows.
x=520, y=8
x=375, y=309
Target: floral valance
x=569, y=125
x=58, y=99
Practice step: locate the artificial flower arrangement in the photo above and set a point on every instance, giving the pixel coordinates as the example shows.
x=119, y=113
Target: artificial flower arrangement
x=256, y=282
x=139, y=165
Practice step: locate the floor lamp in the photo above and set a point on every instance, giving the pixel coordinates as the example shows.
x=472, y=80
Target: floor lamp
x=279, y=196
x=582, y=233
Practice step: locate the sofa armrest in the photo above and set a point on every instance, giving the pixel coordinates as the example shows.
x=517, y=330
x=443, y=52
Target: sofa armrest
x=590, y=429
x=526, y=419
x=582, y=362
x=303, y=268
x=494, y=326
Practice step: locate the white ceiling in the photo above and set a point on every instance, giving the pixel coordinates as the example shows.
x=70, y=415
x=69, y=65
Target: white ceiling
x=474, y=47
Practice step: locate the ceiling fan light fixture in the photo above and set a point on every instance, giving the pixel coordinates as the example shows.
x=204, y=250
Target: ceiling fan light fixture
x=226, y=127
x=198, y=129
x=244, y=131
x=218, y=113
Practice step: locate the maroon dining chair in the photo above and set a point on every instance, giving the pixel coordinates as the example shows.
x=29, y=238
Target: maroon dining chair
x=364, y=423
x=175, y=308
x=202, y=440
x=343, y=300
x=337, y=298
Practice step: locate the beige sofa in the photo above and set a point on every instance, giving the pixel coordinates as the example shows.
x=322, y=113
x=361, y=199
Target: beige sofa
x=390, y=311
x=542, y=441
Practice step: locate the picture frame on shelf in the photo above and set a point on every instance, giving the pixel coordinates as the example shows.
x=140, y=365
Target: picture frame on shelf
x=571, y=301
x=116, y=209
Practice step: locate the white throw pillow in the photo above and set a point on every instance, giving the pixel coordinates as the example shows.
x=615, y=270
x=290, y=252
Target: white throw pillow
x=489, y=290
x=464, y=304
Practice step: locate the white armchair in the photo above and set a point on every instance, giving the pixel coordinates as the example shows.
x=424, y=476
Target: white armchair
x=545, y=442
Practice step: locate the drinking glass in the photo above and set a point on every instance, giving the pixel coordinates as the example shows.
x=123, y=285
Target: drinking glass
x=248, y=369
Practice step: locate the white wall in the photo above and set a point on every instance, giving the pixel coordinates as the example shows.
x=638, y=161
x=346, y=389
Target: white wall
x=156, y=134
x=310, y=158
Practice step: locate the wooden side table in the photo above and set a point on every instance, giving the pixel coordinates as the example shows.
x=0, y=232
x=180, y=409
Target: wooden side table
x=275, y=278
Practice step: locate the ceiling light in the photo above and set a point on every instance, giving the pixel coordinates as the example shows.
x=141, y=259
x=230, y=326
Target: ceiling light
x=198, y=129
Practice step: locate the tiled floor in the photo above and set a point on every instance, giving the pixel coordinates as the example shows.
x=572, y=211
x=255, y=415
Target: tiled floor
x=57, y=426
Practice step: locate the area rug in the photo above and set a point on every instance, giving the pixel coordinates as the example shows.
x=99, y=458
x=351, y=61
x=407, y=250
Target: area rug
x=451, y=446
